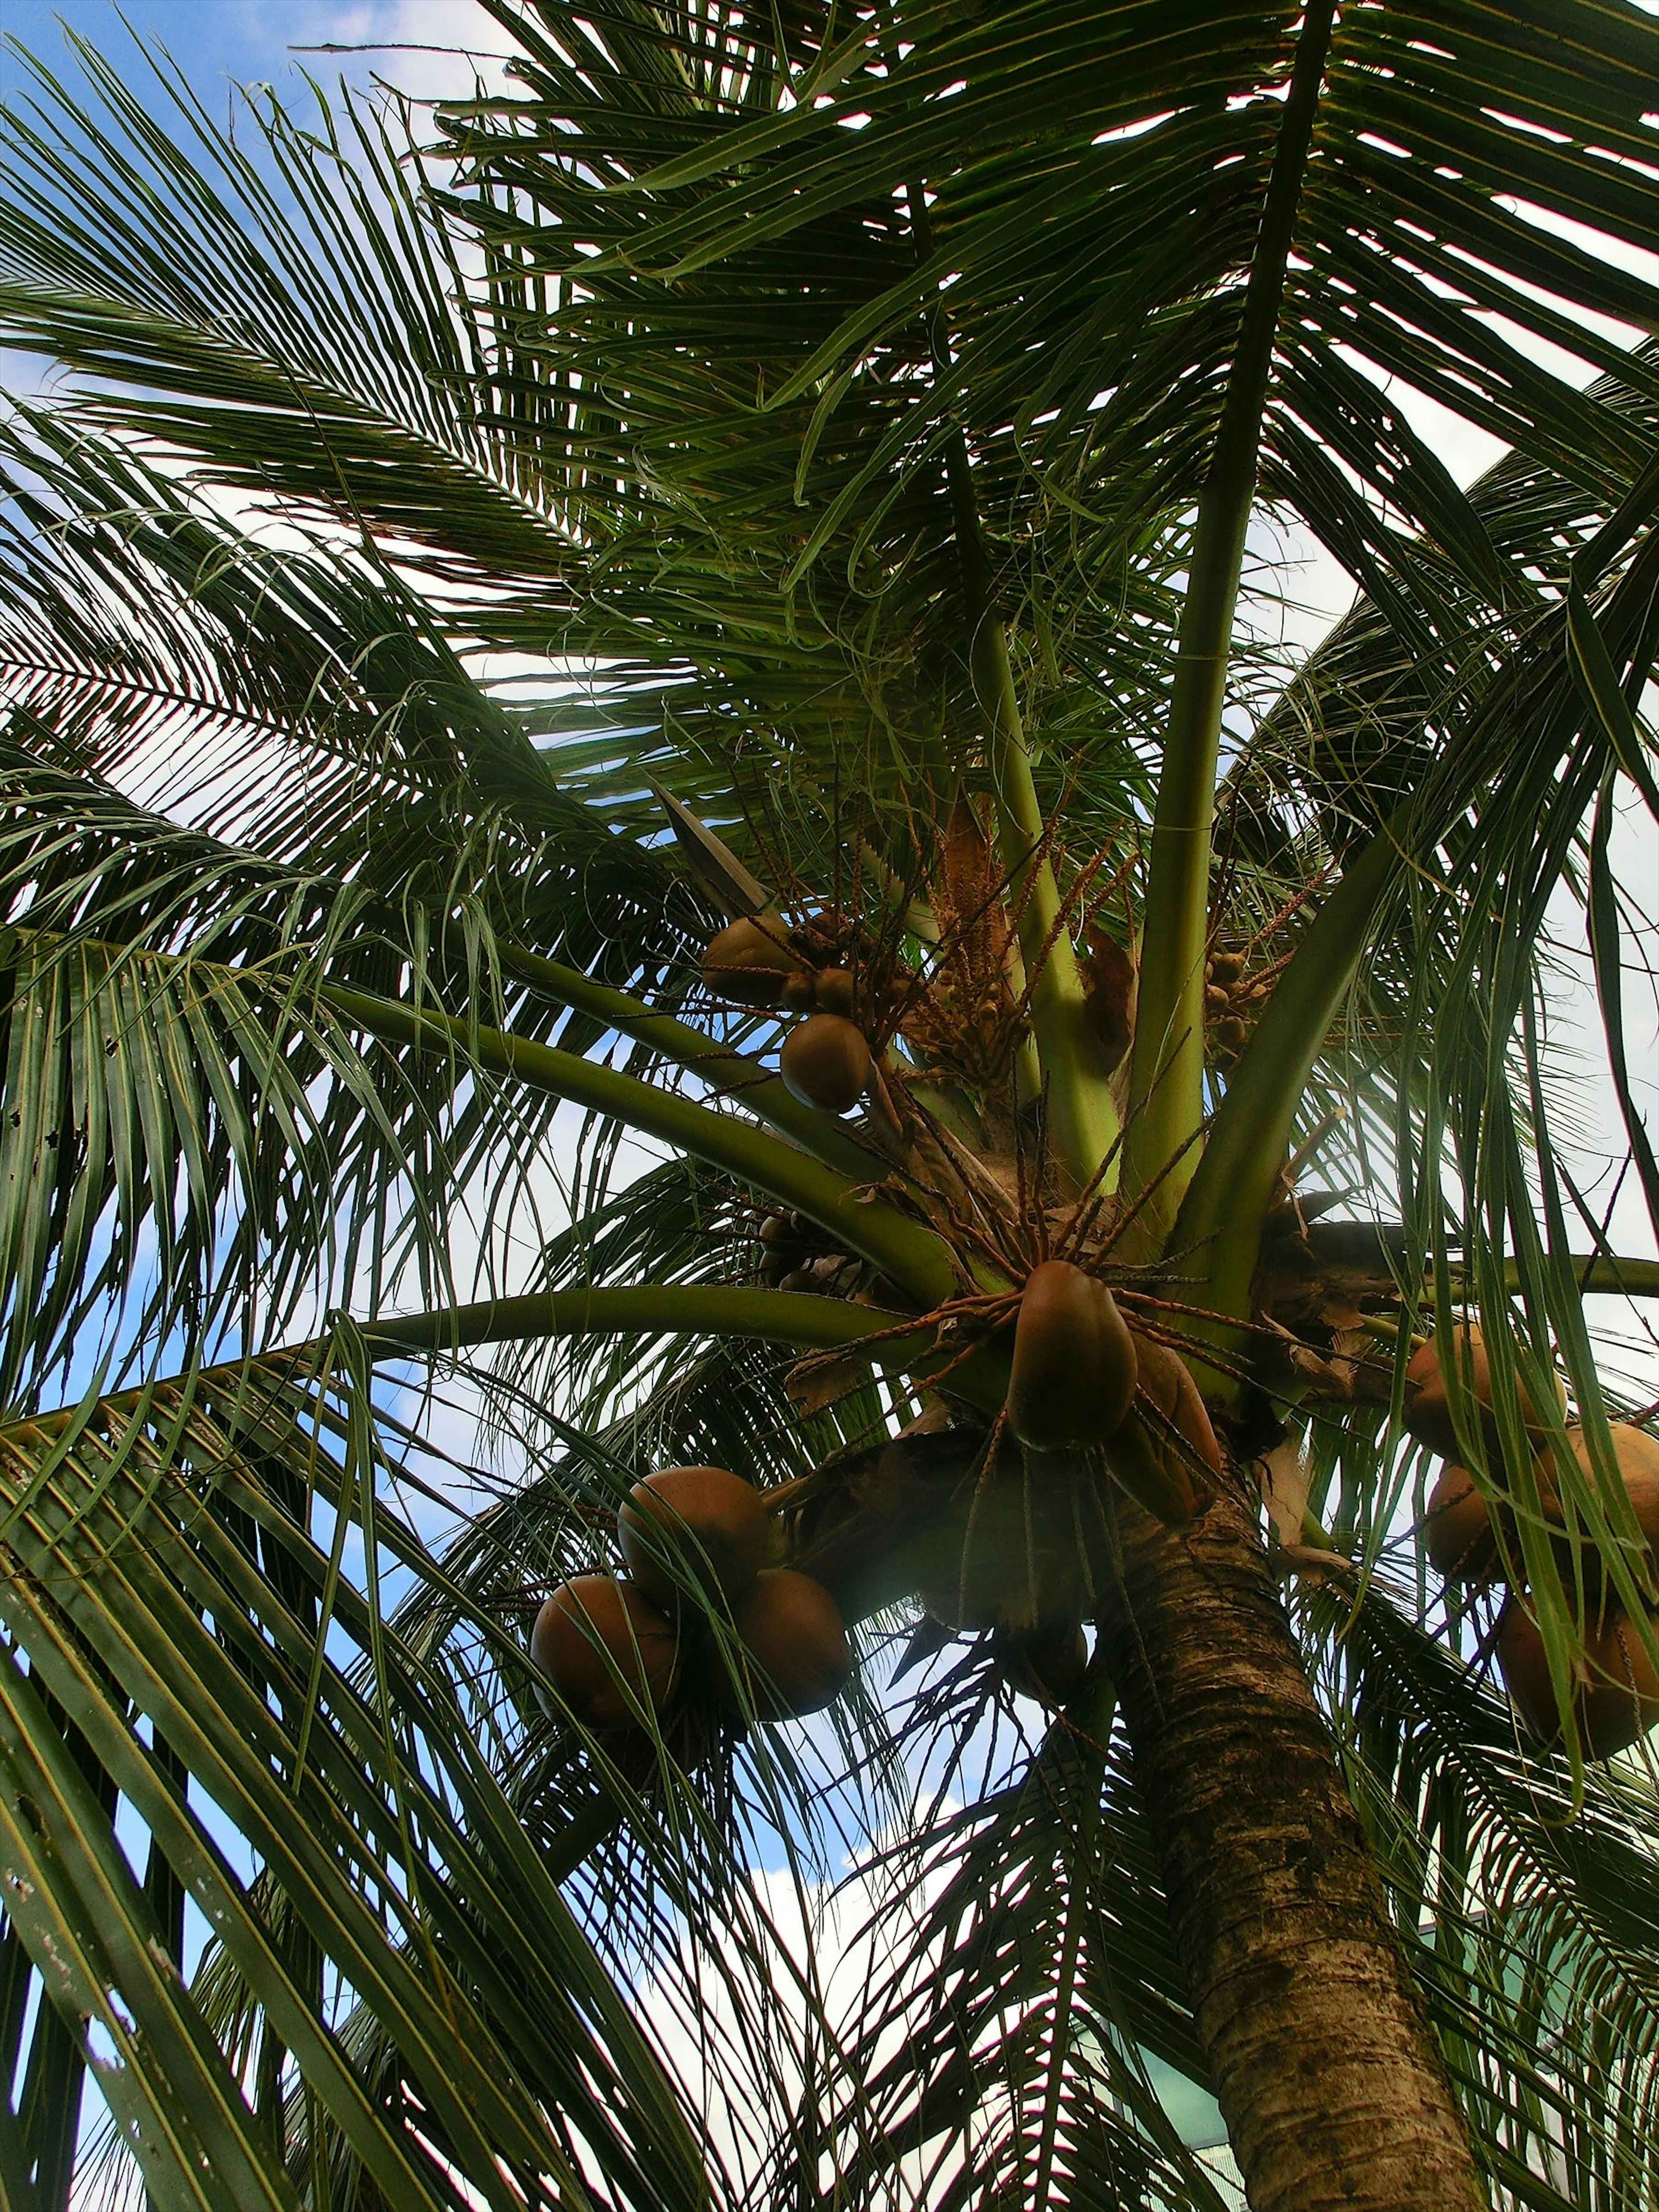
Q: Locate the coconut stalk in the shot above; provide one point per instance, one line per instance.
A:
(1081, 1114)
(1231, 1189)
(720, 1066)
(916, 1259)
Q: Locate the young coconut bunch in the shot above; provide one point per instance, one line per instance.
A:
(1471, 1534)
(695, 1542)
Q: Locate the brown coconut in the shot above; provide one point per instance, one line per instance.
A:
(1073, 1375)
(1045, 1663)
(794, 1652)
(1428, 1402)
(597, 1639)
(1158, 1451)
(686, 1527)
(833, 991)
(826, 1062)
(1457, 1531)
(751, 961)
(1616, 1700)
(1636, 1453)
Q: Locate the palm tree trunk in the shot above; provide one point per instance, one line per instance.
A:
(1328, 2075)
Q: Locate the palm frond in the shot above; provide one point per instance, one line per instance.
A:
(175, 1579)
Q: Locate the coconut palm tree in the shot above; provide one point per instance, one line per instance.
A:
(662, 808)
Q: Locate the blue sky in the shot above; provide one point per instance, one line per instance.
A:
(220, 42)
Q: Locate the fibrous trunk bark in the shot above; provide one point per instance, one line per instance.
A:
(1326, 2072)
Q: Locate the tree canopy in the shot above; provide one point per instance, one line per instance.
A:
(836, 467)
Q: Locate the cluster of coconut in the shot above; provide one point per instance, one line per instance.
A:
(1083, 1385)
(1231, 1001)
(760, 961)
(796, 1254)
(699, 1612)
(1616, 1698)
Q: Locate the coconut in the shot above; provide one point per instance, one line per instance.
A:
(1153, 1450)
(826, 1062)
(1428, 1403)
(1622, 1702)
(1045, 1663)
(1457, 1531)
(795, 1657)
(834, 990)
(689, 1526)
(1636, 1453)
(606, 1650)
(1073, 1375)
(751, 961)
(1616, 1698)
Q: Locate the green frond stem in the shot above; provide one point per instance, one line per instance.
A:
(908, 1342)
(1219, 1223)
(916, 1258)
(724, 1069)
(1608, 1274)
(655, 1309)
(1166, 1066)
(1082, 1114)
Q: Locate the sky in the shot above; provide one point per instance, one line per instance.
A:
(220, 43)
